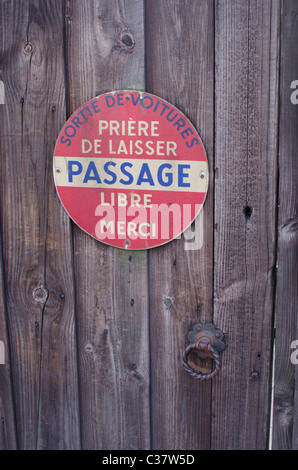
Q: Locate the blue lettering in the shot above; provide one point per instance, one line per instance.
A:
(186, 132)
(77, 122)
(110, 173)
(95, 107)
(156, 106)
(191, 144)
(74, 130)
(150, 102)
(126, 173)
(169, 114)
(110, 101)
(120, 99)
(180, 123)
(145, 172)
(165, 106)
(65, 141)
(182, 175)
(91, 168)
(89, 110)
(71, 171)
(168, 175)
(135, 100)
(81, 113)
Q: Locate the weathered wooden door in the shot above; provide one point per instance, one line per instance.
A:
(93, 336)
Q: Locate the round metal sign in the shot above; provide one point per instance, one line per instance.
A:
(130, 170)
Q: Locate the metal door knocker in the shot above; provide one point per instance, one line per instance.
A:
(208, 342)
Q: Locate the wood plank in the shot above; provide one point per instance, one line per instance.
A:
(37, 248)
(8, 434)
(246, 79)
(105, 51)
(180, 69)
(8, 440)
(285, 420)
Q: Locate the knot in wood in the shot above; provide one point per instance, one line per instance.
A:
(28, 48)
(127, 39)
(40, 294)
(89, 348)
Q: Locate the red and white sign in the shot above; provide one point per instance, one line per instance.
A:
(130, 170)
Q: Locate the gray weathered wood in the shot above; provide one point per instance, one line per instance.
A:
(8, 439)
(36, 233)
(180, 57)
(111, 284)
(94, 335)
(246, 79)
(285, 431)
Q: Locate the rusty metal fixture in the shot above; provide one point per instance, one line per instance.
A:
(208, 342)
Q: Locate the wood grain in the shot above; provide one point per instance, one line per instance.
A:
(37, 248)
(94, 335)
(105, 51)
(180, 69)
(8, 439)
(285, 431)
(246, 78)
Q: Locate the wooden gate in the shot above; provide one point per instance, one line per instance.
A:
(93, 336)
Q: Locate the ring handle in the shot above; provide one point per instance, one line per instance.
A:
(209, 341)
(199, 375)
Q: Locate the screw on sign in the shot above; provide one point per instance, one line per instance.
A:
(130, 170)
